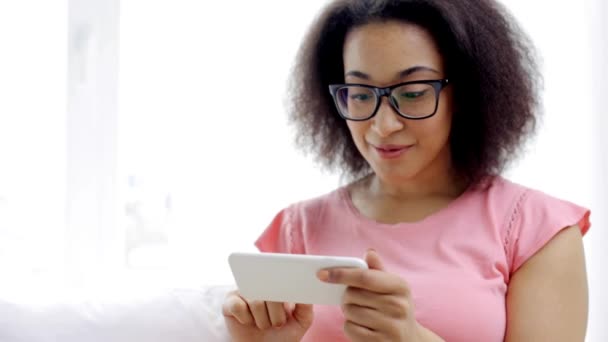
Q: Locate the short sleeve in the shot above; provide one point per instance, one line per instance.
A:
(537, 218)
(282, 235)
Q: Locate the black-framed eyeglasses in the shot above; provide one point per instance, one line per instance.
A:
(414, 100)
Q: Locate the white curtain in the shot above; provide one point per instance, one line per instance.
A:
(33, 66)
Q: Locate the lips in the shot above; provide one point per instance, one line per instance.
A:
(391, 151)
(392, 148)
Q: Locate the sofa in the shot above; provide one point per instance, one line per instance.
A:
(173, 315)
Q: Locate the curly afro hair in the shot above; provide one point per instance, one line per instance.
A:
(490, 60)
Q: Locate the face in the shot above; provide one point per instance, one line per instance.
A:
(398, 149)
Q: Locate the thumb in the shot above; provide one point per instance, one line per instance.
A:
(373, 260)
(303, 314)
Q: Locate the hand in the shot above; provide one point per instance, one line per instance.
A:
(265, 321)
(377, 305)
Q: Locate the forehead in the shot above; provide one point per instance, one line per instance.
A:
(381, 49)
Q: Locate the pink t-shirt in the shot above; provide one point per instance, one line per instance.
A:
(457, 261)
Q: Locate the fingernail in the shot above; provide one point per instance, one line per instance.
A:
(323, 275)
(371, 250)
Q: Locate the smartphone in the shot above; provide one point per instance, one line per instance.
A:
(289, 278)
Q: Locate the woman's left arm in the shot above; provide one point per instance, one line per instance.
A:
(547, 299)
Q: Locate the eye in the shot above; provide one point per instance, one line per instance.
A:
(360, 97)
(412, 95)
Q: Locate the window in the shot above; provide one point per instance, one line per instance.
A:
(32, 140)
(204, 156)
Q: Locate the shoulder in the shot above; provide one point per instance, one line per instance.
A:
(511, 195)
(291, 228)
(533, 218)
(316, 207)
(535, 205)
(503, 189)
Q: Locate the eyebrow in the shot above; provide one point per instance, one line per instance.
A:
(401, 74)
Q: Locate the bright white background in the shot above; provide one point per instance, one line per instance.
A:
(126, 157)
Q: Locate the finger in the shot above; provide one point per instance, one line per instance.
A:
(304, 315)
(260, 314)
(356, 333)
(361, 297)
(371, 280)
(276, 312)
(373, 260)
(235, 306)
(366, 317)
(289, 307)
(392, 305)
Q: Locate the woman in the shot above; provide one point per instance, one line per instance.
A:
(422, 103)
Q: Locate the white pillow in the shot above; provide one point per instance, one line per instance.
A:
(178, 315)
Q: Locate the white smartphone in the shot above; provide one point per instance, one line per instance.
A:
(289, 278)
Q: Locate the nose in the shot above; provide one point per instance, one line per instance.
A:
(386, 121)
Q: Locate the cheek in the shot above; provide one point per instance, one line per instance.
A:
(357, 131)
(434, 132)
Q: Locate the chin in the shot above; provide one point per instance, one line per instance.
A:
(394, 174)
